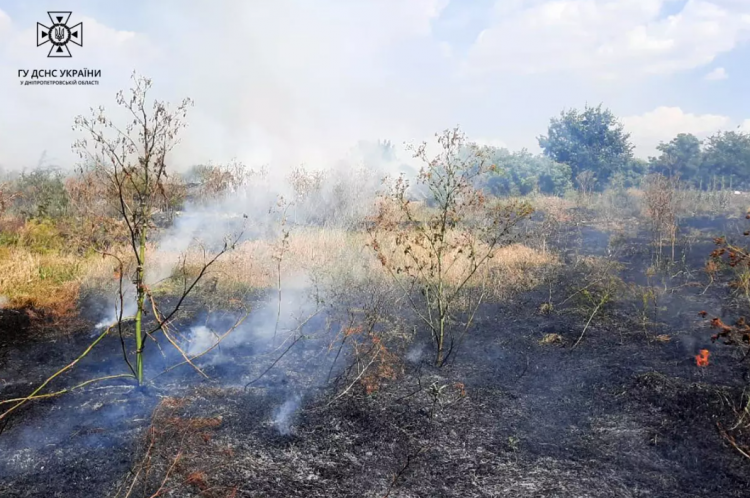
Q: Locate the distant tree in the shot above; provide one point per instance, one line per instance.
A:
(681, 156)
(520, 173)
(375, 153)
(387, 150)
(727, 154)
(592, 140)
(585, 181)
(7, 195)
(42, 194)
(210, 182)
(632, 174)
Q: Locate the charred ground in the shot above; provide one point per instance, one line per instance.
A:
(518, 411)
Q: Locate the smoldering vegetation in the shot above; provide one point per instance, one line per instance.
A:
(349, 341)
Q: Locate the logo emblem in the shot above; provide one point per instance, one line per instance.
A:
(59, 34)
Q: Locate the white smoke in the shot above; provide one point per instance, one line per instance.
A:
(129, 309)
(283, 415)
(201, 339)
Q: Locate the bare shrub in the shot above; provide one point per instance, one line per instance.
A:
(212, 182)
(8, 194)
(586, 182)
(662, 204)
(132, 164)
(434, 252)
(332, 198)
(94, 220)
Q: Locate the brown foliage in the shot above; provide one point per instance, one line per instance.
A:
(382, 364)
(736, 258)
(7, 196)
(736, 335)
(177, 452)
(216, 181)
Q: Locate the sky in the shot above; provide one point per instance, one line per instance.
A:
(300, 82)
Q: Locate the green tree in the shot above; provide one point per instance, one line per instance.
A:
(632, 174)
(42, 194)
(727, 154)
(681, 156)
(520, 173)
(592, 140)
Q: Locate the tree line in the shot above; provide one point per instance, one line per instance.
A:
(593, 145)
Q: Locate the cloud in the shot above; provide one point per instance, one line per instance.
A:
(4, 23)
(717, 74)
(490, 142)
(291, 82)
(40, 117)
(608, 38)
(664, 123)
(274, 82)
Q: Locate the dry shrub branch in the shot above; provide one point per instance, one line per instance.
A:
(432, 252)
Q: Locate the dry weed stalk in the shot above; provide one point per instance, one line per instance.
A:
(174, 456)
(586, 181)
(280, 249)
(662, 198)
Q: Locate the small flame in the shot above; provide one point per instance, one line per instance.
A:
(702, 359)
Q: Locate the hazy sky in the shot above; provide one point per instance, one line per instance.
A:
(289, 82)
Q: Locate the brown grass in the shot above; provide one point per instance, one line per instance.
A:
(338, 253)
(52, 281)
(46, 282)
(552, 206)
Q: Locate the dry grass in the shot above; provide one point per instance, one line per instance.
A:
(338, 253)
(517, 268)
(45, 282)
(52, 281)
(555, 207)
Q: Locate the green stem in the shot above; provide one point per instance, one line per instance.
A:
(56, 374)
(139, 313)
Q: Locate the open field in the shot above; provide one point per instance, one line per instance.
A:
(527, 406)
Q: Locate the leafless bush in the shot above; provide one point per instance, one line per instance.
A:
(335, 198)
(432, 253)
(7, 196)
(662, 198)
(212, 182)
(586, 181)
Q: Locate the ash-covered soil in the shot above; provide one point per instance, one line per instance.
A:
(623, 414)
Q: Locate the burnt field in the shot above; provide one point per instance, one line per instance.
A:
(545, 396)
(392, 249)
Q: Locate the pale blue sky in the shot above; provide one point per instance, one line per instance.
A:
(286, 82)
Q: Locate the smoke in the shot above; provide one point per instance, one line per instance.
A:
(201, 339)
(129, 309)
(345, 195)
(283, 415)
(415, 353)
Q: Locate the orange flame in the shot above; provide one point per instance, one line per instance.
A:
(702, 359)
